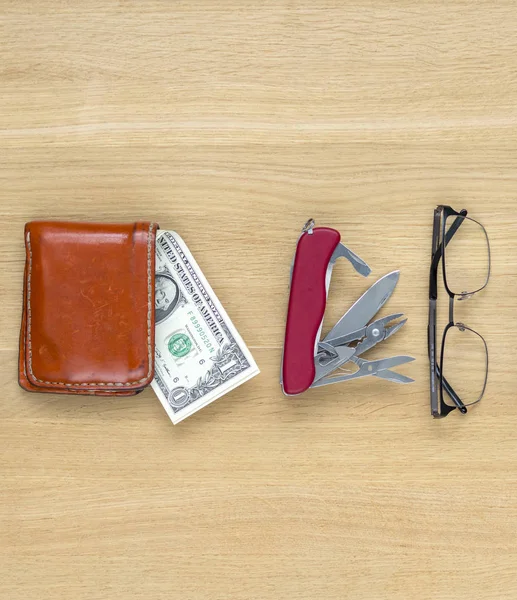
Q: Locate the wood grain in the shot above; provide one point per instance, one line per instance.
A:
(232, 123)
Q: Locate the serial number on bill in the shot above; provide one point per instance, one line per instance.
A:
(204, 338)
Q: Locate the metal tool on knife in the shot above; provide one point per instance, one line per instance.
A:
(307, 361)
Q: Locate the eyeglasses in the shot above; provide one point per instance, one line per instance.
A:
(459, 376)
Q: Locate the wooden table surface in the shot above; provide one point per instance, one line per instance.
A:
(233, 122)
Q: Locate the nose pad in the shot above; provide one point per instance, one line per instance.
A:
(464, 296)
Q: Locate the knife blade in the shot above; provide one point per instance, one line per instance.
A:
(362, 311)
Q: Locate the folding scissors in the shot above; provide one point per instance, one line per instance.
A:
(308, 362)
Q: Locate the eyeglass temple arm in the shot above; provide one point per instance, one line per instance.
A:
(452, 394)
(448, 237)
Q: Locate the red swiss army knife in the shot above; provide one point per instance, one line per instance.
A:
(308, 362)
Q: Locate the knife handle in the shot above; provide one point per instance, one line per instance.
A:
(307, 301)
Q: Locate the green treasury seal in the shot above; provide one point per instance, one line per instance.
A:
(179, 345)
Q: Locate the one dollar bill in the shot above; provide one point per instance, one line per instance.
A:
(199, 355)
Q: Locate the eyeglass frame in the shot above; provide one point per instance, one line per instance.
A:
(441, 214)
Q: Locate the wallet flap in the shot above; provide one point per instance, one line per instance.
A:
(89, 306)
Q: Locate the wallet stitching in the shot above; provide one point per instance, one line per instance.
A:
(149, 324)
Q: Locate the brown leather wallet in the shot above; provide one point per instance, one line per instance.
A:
(88, 308)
